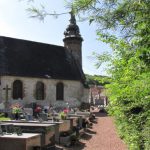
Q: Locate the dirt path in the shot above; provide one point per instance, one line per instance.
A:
(102, 136)
(105, 137)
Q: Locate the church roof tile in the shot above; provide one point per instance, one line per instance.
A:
(33, 59)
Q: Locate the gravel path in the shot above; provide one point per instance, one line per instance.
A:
(106, 137)
(102, 136)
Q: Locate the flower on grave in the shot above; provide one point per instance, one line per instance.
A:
(62, 115)
(16, 108)
(38, 109)
(66, 110)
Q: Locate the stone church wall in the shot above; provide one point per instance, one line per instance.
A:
(86, 96)
(73, 90)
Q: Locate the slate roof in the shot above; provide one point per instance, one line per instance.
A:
(33, 59)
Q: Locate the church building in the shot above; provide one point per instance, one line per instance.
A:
(43, 73)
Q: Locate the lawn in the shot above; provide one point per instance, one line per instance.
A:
(4, 119)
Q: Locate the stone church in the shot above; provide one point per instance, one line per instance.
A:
(43, 73)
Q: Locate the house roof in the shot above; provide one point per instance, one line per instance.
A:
(33, 59)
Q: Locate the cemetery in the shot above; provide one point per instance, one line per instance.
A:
(37, 128)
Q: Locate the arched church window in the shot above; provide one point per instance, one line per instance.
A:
(17, 89)
(60, 91)
(39, 91)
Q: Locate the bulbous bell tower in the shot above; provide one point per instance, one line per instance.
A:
(73, 40)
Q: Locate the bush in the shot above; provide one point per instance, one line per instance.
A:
(130, 107)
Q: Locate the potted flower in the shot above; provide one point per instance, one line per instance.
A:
(66, 111)
(62, 115)
(37, 111)
(16, 109)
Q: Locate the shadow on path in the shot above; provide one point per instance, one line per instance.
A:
(82, 144)
(86, 136)
(78, 146)
(90, 131)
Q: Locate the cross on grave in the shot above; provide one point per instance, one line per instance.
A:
(6, 95)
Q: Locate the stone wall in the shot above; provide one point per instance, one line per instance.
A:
(86, 95)
(73, 90)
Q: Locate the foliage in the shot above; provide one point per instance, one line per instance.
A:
(125, 25)
(1, 114)
(3, 118)
(40, 11)
(97, 79)
(62, 115)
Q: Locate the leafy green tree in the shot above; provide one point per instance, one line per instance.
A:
(125, 25)
(97, 80)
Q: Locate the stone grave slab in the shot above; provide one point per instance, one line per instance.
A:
(24, 142)
(47, 131)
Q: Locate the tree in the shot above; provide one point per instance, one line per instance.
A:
(125, 25)
(97, 80)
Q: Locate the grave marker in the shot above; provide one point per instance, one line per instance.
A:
(6, 95)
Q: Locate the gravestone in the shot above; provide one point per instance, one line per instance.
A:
(28, 111)
(25, 142)
(6, 96)
(47, 131)
(43, 116)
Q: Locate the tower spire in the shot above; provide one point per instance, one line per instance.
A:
(73, 19)
(73, 39)
(72, 30)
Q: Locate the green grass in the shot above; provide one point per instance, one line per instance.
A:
(4, 119)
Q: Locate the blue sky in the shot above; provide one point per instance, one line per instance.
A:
(15, 22)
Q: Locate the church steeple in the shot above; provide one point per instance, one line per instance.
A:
(72, 30)
(73, 19)
(73, 40)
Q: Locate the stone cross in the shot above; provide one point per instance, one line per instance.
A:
(6, 95)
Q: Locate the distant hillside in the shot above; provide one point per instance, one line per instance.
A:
(97, 79)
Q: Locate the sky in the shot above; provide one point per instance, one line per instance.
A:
(15, 21)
